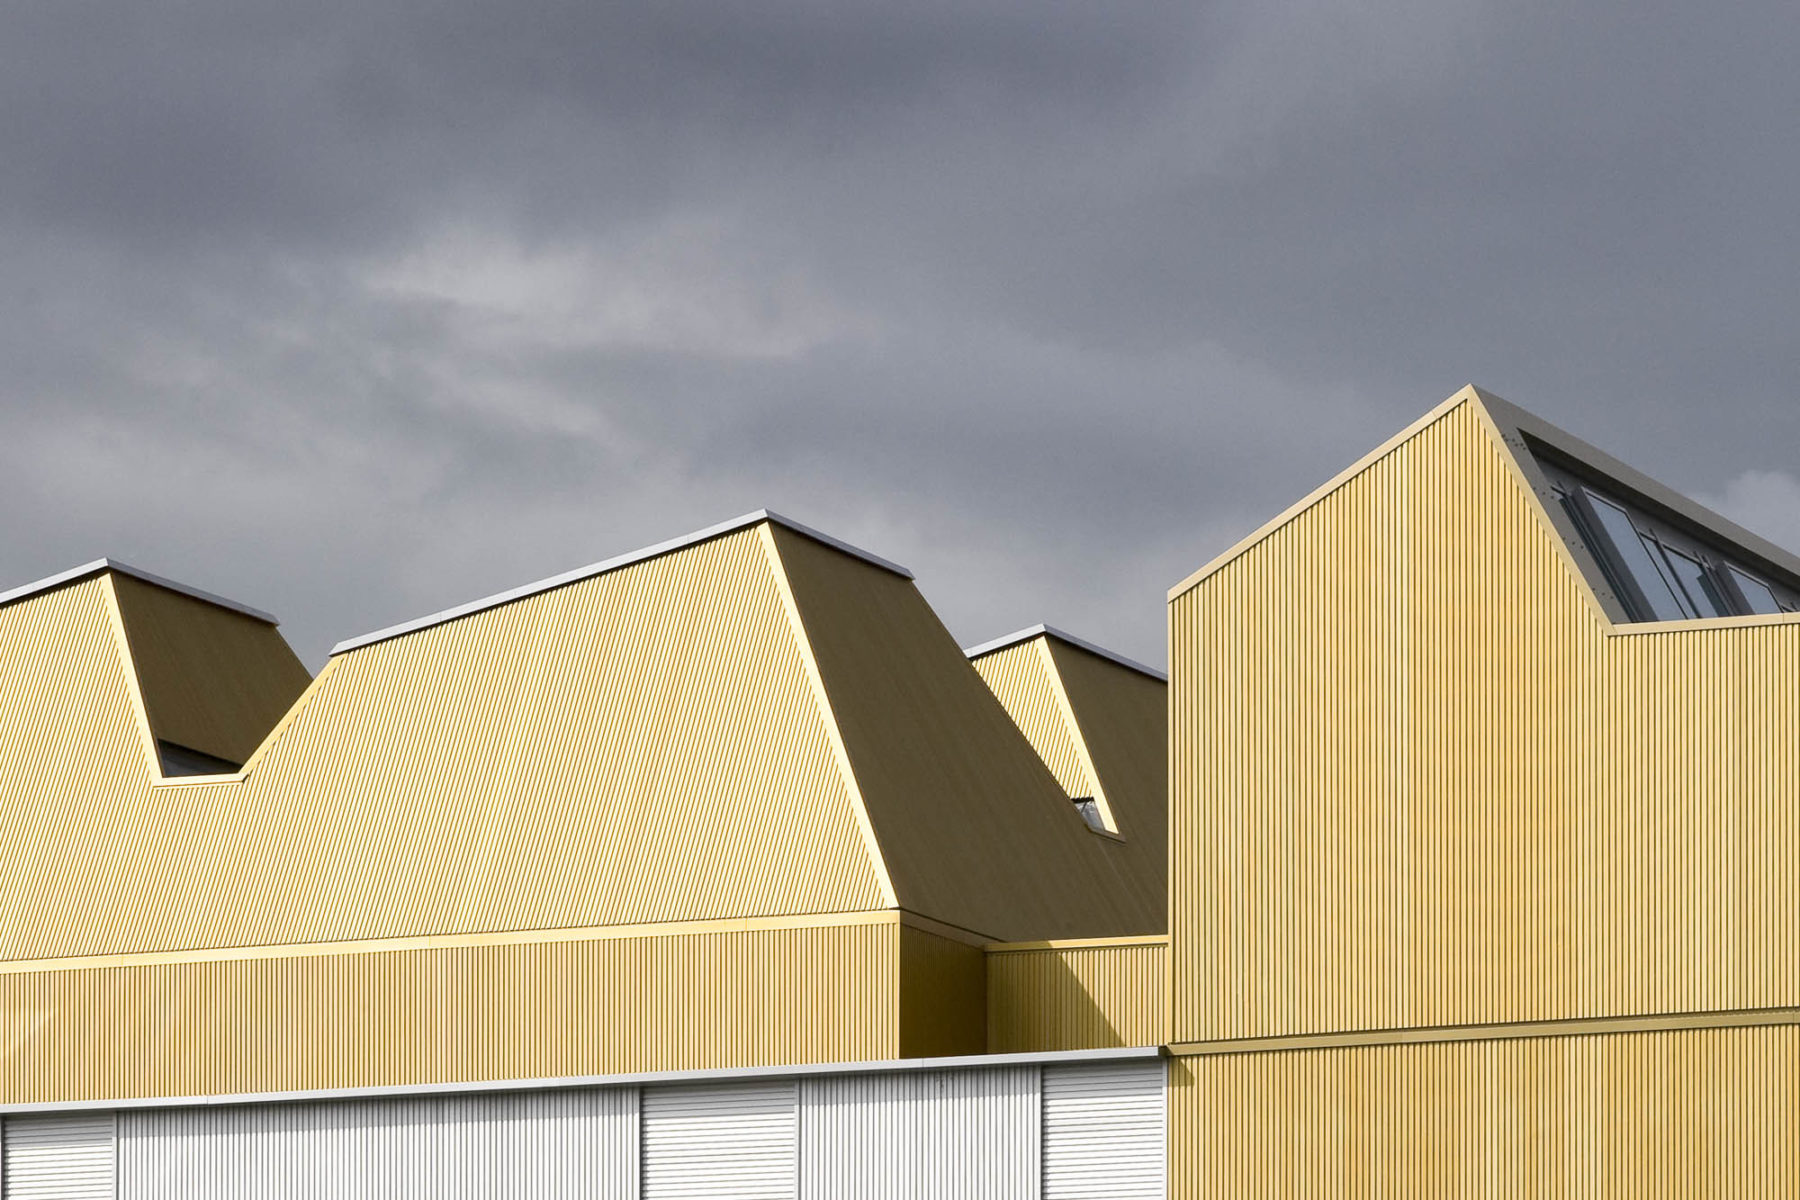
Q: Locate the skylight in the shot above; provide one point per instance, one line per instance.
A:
(1089, 808)
(1661, 569)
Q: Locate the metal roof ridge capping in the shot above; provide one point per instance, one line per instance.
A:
(1026, 634)
(49, 582)
(627, 559)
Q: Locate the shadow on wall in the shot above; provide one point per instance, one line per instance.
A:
(1075, 996)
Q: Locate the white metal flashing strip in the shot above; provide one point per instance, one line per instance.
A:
(613, 564)
(965, 1062)
(112, 564)
(1025, 635)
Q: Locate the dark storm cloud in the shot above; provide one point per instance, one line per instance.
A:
(360, 310)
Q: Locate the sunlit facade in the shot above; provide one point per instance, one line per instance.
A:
(1450, 858)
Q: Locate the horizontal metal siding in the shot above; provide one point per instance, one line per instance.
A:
(1076, 998)
(519, 1011)
(960, 1135)
(1104, 1131)
(58, 1157)
(720, 1140)
(1419, 780)
(1653, 1116)
(575, 1145)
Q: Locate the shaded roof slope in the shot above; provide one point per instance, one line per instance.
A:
(1100, 724)
(974, 829)
(212, 679)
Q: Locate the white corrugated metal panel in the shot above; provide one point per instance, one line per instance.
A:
(65, 1157)
(1104, 1131)
(574, 1145)
(735, 1140)
(951, 1134)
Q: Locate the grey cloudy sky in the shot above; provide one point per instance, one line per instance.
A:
(355, 311)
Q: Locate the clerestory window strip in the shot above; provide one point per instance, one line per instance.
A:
(1657, 572)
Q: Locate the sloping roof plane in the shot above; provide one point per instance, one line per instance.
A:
(1099, 722)
(757, 722)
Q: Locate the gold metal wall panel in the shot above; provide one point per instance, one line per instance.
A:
(1710, 1112)
(974, 830)
(1419, 778)
(1076, 997)
(1023, 679)
(444, 1014)
(77, 813)
(943, 995)
(640, 746)
(211, 679)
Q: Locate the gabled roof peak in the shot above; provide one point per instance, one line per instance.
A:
(101, 565)
(748, 520)
(1025, 635)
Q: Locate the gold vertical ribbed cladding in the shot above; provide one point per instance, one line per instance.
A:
(548, 1009)
(943, 995)
(1419, 779)
(1022, 678)
(1698, 1112)
(1075, 998)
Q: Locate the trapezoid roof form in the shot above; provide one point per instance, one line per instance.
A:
(755, 723)
(614, 564)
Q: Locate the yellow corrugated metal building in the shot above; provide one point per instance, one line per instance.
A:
(1484, 805)
(1452, 857)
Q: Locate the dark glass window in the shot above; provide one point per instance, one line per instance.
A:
(1696, 582)
(1636, 555)
(1089, 809)
(1756, 593)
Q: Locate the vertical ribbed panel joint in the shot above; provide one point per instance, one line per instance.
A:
(1656, 1116)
